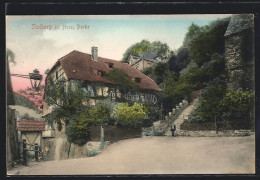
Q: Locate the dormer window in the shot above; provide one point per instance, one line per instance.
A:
(110, 65)
(138, 80)
(101, 73)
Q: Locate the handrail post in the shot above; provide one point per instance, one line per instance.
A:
(36, 149)
(24, 152)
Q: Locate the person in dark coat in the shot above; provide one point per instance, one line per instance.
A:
(173, 129)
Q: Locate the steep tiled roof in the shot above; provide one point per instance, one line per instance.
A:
(78, 65)
(239, 22)
(31, 125)
(149, 56)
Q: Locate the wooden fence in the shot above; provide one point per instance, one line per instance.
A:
(114, 133)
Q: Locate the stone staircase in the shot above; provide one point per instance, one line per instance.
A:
(160, 127)
(181, 118)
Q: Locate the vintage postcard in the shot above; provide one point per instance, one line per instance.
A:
(130, 94)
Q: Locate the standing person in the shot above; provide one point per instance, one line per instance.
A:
(173, 129)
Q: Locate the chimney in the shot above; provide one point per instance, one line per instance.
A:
(94, 53)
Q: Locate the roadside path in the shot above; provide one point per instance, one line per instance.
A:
(158, 155)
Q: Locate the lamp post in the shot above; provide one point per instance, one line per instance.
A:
(35, 78)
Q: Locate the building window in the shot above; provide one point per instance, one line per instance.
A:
(151, 98)
(142, 98)
(91, 91)
(137, 97)
(130, 97)
(118, 94)
(57, 75)
(112, 94)
(154, 100)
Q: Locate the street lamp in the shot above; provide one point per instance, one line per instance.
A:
(35, 78)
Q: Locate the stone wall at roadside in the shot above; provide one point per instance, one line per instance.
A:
(67, 150)
(227, 133)
(48, 149)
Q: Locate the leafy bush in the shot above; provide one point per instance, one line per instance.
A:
(194, 116)
(130, 115)
(111, 106)
(236, 105)
(218, 102)
(186, 70)
(153, 114)
(78, 127)
(99, 114)
(211, 98)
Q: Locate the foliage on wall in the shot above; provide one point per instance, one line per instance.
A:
(118, 76)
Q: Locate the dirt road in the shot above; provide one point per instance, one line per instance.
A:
(158, 155)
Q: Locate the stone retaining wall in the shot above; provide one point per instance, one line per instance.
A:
(231, 133)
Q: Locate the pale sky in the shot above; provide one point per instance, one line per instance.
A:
(113, 34)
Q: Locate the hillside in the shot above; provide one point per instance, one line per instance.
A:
(22, 111)
(22, 101)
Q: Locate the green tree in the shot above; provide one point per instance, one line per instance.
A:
(67, 99)
(135, 49)
(211, 97)
(130, 115)
(214, 68)
(209, 42)
(193, 31)
(156, 47)
(77, 129)
(177, 89)
(10, 56)
(237, 107)
(160, 48)
(160, 72)
(180, 60)
(99, 114)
